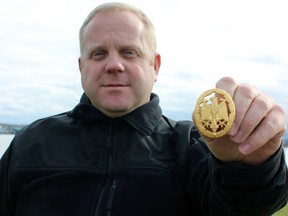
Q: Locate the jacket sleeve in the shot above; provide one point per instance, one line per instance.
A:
(217, 188)
(6, 196)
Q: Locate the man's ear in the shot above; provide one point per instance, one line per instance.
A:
(157, 64)
(79, 64)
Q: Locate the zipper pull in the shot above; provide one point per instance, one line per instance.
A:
(111, 197)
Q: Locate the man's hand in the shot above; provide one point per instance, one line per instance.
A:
(258, 128)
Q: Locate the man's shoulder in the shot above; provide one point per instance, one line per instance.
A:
(33, 143)
(44, 123)
(41, 128)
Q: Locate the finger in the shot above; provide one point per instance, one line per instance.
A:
(228, 84)
(272, 129)
(258, 110)
(243, 97)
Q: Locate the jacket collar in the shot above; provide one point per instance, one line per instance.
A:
(145, 118)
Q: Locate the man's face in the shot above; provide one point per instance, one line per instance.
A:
(117, 70)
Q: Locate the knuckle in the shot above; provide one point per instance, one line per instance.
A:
(264, 102)
(248, 91)
(226, 81)
(228, 84)
(280, 109)
(271, 127)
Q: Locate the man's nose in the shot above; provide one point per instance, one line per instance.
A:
(114, 63)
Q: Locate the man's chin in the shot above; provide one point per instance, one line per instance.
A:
(114, 111)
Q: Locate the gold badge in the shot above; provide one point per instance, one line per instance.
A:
(214, 113)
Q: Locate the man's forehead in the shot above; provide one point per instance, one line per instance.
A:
(124, 20)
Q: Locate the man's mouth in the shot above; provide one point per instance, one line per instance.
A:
(115, 85)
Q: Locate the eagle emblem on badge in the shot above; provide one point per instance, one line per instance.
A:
(214, 113)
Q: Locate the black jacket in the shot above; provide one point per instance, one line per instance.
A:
(84, 163)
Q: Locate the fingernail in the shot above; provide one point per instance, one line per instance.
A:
(237, 138)
(245, 148)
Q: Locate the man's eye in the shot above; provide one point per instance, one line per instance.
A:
(98, 54)
(130, 53)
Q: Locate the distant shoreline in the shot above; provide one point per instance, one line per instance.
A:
(10, 128)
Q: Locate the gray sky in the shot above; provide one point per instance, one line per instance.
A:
(200, 42)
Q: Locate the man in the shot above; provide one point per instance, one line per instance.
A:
(115, 154)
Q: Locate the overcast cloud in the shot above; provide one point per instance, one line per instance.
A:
(200, 42)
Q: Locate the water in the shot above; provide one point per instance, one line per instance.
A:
(5, 140)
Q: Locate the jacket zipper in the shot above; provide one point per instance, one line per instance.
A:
(108, 145)
(111, 197)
